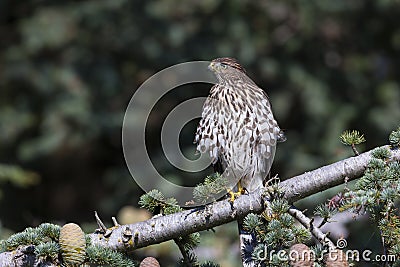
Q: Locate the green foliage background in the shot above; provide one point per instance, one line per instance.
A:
(69, 68)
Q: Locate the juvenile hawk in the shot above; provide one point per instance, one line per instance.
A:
(239, 131)
(238, 128)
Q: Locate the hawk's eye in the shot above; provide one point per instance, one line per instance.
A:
(224, 66)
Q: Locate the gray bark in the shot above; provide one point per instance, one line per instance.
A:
(159, 229)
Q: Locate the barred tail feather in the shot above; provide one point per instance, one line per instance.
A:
(248, 242)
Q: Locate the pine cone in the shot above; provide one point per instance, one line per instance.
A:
(149, 262)
(73, 244)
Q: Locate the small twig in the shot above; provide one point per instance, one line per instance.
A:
(185, 255)
(322, 223)
(315, 231)
(346, 183)
(101, 225)
(115, 221)
(102, 228)
(353, 146)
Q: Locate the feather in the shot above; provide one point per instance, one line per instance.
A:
(239, 132)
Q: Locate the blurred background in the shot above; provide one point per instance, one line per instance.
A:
(69, 68)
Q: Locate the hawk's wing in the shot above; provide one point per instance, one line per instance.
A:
(258, 128)
(238, 129)
(209, 135)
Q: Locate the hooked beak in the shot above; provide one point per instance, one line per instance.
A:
(212, 66)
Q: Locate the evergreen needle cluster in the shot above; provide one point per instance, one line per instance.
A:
(275, 230)
(210, 189)
(377, 192)
(44, 241)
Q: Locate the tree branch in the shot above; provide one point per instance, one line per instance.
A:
(308, 224)
(156, 230)
(160, 229)
(22, 256)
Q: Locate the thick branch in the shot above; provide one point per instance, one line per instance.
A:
(160, 229)
(168, 227)
(22, 256)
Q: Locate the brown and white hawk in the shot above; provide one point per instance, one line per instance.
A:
(239, 131)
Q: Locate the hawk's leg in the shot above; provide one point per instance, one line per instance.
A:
(234, 195)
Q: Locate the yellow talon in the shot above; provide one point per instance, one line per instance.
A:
(240, 188)
(234, 195)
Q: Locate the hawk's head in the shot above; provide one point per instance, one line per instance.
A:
(225, 65)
